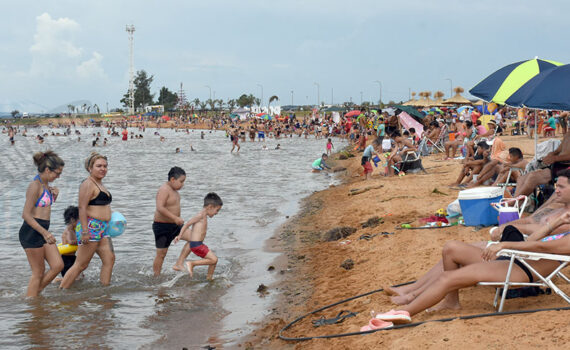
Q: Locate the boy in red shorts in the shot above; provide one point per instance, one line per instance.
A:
(196, 234)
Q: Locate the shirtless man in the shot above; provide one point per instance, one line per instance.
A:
(557, 160)
(167, 220)
(501, 169)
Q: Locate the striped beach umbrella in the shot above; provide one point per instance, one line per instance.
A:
(500, 86)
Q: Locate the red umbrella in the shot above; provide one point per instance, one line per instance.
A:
(165, 117)
(352, 113)
(260, 114)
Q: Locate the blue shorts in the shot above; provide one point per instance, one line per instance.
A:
(261, 135)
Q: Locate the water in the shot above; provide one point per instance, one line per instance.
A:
(259, 189)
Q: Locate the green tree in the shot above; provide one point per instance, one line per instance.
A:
(143, 97)
(203, 106)
(14, 113)
(272, 98)
(96, 108)
(167, 98)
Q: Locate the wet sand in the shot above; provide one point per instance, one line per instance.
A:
(314, 278)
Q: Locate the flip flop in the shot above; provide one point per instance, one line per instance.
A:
(337, 319)
(376, 324)
(395, 316)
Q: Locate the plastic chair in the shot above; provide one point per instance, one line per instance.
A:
(543, 281)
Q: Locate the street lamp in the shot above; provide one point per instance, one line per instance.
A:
(318, 94)
(208, 86)
(450, 87)
(380, 92)
(214, 94)
(291, 98)
(261, 86)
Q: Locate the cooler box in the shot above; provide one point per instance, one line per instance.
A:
(476, 205)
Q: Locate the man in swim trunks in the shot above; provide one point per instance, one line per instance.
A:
(555, 161)
(167, 220)
(195, 236)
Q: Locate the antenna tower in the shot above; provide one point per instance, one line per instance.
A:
(182, 101)
(131, 30)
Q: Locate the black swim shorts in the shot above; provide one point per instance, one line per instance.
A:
(30, 238)
(512, 234)
(164, 233)
(68, 261)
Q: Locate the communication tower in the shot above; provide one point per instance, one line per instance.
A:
(182, 101)
(131, 30)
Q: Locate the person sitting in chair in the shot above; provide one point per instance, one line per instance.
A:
(401, 147)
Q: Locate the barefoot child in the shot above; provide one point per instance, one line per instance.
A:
(195, 236)
(167, 220)
(329, 147)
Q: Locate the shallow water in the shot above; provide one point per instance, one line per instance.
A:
(259, 189)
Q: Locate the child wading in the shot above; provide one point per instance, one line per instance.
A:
(196, 234)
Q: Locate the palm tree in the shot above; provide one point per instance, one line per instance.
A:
(272, 98)
(71, 108)
(231, 104)
(203, 106)
(95, 107)
(220, 103)
(212, 104)
(88, 109)
(84, 107)
(196, 102)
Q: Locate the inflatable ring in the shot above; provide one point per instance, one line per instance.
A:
(65, 249)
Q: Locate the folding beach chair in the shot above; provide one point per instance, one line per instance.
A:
(411, 163)
(543, 281)
(440, 143)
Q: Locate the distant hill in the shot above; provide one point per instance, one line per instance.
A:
(22, 106)
(64, 109)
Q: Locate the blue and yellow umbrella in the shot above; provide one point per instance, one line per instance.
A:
(501, 86)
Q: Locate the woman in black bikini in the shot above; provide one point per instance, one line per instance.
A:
(94, 215)
(35, 238)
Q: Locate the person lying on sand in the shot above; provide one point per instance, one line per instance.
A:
(470, 269)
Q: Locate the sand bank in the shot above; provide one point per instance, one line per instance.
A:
(313, 276)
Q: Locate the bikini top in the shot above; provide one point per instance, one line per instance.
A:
(102, 197)
(46, 198)
(555, 237)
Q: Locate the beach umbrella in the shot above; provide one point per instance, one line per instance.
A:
(165, 117)
(265, 116)
(549, 90)
(457, 99)
(410, 110)
(462, 108)
(501, 85)
(352, 113)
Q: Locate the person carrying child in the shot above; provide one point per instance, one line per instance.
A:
(194, 232)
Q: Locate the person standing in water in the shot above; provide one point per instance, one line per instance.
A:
(37, 241)
(167, 221)
(94, 215)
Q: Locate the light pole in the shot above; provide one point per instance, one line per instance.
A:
(208, 86)
(214, 94)
(450, 87)
(291, 98)
(380, 92)
(261, 86)
(318, 94)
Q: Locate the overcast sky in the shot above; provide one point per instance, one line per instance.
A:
(54, 52)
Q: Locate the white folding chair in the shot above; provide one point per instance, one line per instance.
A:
(543, 281)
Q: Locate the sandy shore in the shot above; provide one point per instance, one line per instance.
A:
(313, 277)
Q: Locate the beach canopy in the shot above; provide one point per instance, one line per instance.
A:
(352, 113)
(500, 86)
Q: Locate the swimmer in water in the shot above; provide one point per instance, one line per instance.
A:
(194, 232)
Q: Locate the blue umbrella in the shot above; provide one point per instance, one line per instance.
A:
(550, 90)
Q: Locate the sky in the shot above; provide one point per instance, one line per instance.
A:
(56, 52)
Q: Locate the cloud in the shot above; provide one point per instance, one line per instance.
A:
(55, 55)
(91, 68)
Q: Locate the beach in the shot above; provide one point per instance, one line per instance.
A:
(316, 278)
